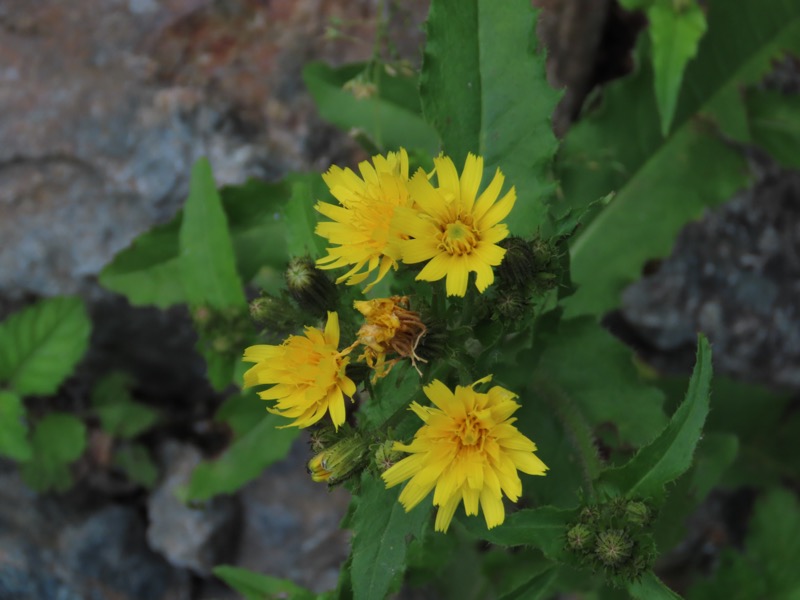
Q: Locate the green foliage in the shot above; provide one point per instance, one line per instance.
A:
(119, 414)
(651, 587)
(535, 588)
(208, 266)
(484, 89)
(40, 345)
(676, 31)
(766, 568)
(774, 124)
(368, 99)
(301, 218)
(254, 586)
(671, 453)
(661, 183)
(57, 440)
(243, 460)
(382, 530)
(13, 428)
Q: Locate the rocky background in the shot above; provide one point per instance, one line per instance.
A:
(105, 105)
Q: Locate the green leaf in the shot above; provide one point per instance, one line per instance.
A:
(595, 371)
(650, 587)
(774, 120)
(57, 440)
(243, 461)
(393, 394)
(533, 589)
(382, 530)
(391, 118)
(137, 463)
(676, 34)
(242, 412)
(543, 528)
(149, 270)
(40, 345)
(661, 183)
(255, 219)
(255, 586)
(208, 265)
(13, 427)
(301, 218)
(119, 414)
(671, 453)
(484, 89)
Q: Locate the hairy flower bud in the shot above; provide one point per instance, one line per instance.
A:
(385, 457)
(310, 287)
(580, 538)
(339, 461)
(613, 547)
(637, 513)
(519, 263)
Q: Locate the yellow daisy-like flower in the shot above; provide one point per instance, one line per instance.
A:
(468, 449)
(453, 228)
(361, 228)
(307, 374)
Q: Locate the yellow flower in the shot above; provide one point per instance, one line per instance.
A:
(453, 228)
(468, 449)
(307, 374)
(361, 228)
(389, 327)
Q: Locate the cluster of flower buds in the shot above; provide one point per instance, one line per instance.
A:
(614, 537)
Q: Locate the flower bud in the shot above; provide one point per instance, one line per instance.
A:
(511, 304)
(637, 513)
(613, 547)
(385, 457)
(580, 537)
(339, 461)
(310, 287)
(519, 263)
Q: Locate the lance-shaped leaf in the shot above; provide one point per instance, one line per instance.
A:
(676, 33)
(484, 89)
(40, 345)
(382, 530)
(208, 265)
(671, 453)
(661, 183)
(255, 586)
(389, 113)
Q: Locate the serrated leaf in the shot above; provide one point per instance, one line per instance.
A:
(671, 453)
(676, 34)
(596, 372)
(393, 393)
(301, 218)
(40, 345)
(661, 183)
(119, 414)
(543, 528)
(382, 530)
(57, 440)
(650, 587)
(391, 117)
(255, 586)
(208, 265)
(774, 120)
(243, 461)
(484, 89)
(13, 428)
(137, 463)
(533, 589)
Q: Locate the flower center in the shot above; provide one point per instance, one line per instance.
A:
(471, 432)
(458, 238)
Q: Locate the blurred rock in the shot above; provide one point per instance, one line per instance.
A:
(735, 275)
(56, 548)
(292, 527)
(105, 105)
(192, 537)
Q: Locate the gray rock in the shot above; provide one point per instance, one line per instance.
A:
(192, 537)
